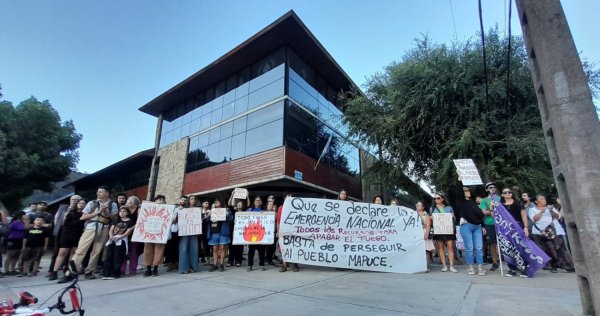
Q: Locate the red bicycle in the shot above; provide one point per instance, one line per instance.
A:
(26, 299)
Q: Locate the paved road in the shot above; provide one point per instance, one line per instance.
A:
(319, 291)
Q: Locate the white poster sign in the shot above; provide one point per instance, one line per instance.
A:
(189, 221)
(254, 228)
(218, 214)
(240, 193)
(153, 223)
(460, 243)
(467, 172)
(443, 223)
(352, 235)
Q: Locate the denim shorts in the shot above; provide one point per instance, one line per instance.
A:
(218, 239)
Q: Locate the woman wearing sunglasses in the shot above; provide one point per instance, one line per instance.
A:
(444, 240)
(517, 211)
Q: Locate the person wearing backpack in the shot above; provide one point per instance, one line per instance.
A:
(98, 215)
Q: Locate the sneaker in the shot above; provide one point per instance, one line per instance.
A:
(21, 275)
(494, 267)
(90, 276)
(297, 268)
(444, 269)
(511, 273)
(249, 269)
(524, 275)
(212, 268)
(147, 273)
(154, 273)
(65, 279)
(453, 270)
(262, 268)
(481, 272)
(553, 270)
(470, 271)
(53, 276)
(221, 268)
(31, 274)
(108, 278)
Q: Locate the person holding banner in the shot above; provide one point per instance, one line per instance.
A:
(519, 214)
(219, 235)
(188, 245)
(378, 199)
(471, 231)
(441, 239)
(343, 195)
(284, 265)
(259, 248)
(426, 224)
(547, 234)
(236, 251)
(153, 252)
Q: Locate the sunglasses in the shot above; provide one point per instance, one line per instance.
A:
(506, 192)
(439, 198)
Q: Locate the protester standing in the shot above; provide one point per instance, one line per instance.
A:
(153, 252)
(487, 206)
(517, 211)
(218, 237)
(425, 220)
(188, 245)
(18, 228)
(236, 251)
(117, 245)
(59, 218)
(258, 248)
(444, 240)
(70, 233)
(471, 231)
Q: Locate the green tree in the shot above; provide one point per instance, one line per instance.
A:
(430, 108)
(36, 149)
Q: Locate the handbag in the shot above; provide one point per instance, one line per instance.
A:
(549, 232)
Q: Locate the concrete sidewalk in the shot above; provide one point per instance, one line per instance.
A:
(317, 291)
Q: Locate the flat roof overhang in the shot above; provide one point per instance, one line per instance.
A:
(287, 30)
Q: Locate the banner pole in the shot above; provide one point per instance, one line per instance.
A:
(497, 244)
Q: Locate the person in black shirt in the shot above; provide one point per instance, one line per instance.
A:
(34, 246)
(117, 246)
(517, 211)
(471, 232)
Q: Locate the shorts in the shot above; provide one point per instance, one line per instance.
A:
(218, 239)
(14, 244)
(490, 234)
(35, 253)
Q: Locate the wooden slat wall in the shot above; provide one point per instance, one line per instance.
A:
(248, 169)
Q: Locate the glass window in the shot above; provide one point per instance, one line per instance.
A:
(176, 134)
(226, 130)
(232, 84)
(167, 126)
(213, 153)
(196, 113)
(195, 126)
(242, 90)
(266, 64)
(301, 67)
(203, 139)
(220, 89)
(267, 93)
(265, 137)
(206, 109)
(214, 136)
(228, 110)
(324, 113)
(238, 146)
(185, 130)
(217, 103)
(301, 96)
(193, 144)
(216, 116)
(225, 150)
(244, 76)
(205, 122)
(165, 139)
(268, 77)
(177, 122)
(229, 97)
(265, 115)
(239, 125)
(186, 118)
(241, 105)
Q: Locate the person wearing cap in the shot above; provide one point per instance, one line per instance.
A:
(489, 230)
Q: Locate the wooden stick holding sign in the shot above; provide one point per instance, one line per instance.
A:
(443, 224)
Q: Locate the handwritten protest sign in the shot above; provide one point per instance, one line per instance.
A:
(189, 221)
(352, 235)
(240, 193)
(443, 223)
(467, 172)
(254, 228)
(218, 214)
(153, 223)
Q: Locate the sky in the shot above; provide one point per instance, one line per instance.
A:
(98, 62)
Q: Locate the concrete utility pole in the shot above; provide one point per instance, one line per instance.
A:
(572, 133)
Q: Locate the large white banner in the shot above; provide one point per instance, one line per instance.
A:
(153, 223)
(254, 228)
(352, 235)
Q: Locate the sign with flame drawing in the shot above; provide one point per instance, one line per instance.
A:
(253, 228)
(153, 223)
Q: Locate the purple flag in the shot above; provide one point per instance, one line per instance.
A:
(517, 249)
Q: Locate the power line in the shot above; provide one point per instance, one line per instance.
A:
(487, 96)
(453, 22)
(508, 54)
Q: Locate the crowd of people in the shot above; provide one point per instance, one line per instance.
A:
(96, 235)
